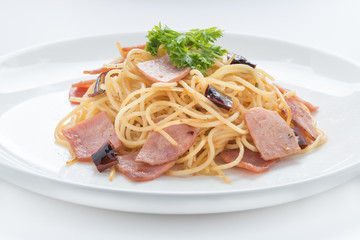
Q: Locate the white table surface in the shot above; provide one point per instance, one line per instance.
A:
(329, 25)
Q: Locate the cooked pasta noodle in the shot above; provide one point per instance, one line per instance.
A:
(133, 103)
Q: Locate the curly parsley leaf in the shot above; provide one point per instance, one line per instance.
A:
(193, 49)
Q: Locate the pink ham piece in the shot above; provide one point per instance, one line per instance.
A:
(272, 136)
(311, 107)
(157, 150)
(88, 136)
(301, 118)
(140, 172)
(128, 49)
(251, 160)
(162, 70)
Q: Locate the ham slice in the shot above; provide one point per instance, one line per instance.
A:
(128, 49)
(251, 160)
(272, 136)
(301, 118)
(162, 70)
(311, 107)
(88, 136)
(140, 172)
(79, 89)
(157, 150)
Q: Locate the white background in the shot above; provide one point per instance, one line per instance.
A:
(329, 25)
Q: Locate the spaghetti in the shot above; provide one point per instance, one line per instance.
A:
(133, 103)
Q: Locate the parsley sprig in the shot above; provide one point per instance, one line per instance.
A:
(193, 49)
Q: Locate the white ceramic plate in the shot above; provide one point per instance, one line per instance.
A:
(33, 94)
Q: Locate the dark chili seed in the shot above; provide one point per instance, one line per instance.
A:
(105, 157)
(100, 80)
(238, 59)
(300, 137)
(219, 98)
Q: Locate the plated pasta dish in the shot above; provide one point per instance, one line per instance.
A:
(182, 106)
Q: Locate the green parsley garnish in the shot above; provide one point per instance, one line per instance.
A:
(193, 49)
